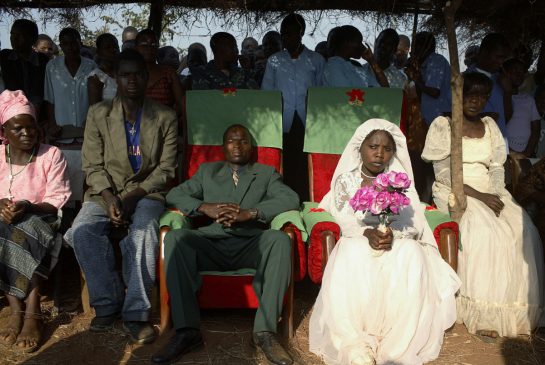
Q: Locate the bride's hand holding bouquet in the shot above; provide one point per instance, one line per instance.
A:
(385, 197)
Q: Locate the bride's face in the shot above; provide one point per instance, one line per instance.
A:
(376, 152)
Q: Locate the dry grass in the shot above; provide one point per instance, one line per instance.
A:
(227, 335)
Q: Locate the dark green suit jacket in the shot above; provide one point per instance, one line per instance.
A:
(259, 186)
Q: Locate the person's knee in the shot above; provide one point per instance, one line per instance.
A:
(177, 238)
(279, 240)
(80, 235)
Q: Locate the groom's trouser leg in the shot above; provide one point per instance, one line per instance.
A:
(186, 253)
(270, 254)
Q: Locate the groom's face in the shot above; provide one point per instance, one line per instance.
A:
(376, 152)
(237, 146)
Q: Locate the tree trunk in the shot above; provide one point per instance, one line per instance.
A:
(457, 199)
(157, 10)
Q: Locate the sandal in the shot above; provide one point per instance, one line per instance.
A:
(12, 329)
(33, 337)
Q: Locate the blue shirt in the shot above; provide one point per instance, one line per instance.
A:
(67, 93)
(436, 74)
(132, 132)
(293, 77)
(495, 101)
(396, 77)
(339, 72)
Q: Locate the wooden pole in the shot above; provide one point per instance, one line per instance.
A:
(415, 22)
(155, 22)
(457, 199)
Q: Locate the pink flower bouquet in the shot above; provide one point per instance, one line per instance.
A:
(385, 197)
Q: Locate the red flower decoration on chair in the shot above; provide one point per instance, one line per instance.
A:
(356, 97)
(229, 91)
(317, 210)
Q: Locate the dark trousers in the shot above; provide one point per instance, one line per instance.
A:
(295, 162)
(187, 252)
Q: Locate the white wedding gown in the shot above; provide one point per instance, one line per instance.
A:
(501, 262)
(398, 304)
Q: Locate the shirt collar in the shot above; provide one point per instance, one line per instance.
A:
(304, 52)
(489, 74)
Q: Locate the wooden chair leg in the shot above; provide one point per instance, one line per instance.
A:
(86, 306)
(448, 247)
(164, 301)
(287, 310)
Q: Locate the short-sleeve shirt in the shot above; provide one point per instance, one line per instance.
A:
(25, 75)
(109, 90)
(68, 94)
(339, 72)
(436, 74)
(44, 180)
(495, 101)
(519, 127)
(293, 77)
(396, 77)
(209, 77)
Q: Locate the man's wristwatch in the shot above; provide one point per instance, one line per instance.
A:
(253, 213)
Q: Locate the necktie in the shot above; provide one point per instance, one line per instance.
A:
(235, 177)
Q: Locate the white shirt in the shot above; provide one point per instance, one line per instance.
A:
(519, 126)
(109, 90)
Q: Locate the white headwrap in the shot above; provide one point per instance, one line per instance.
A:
(351, 161)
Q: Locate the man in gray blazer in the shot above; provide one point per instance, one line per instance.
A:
(240, 198)
(128, 156)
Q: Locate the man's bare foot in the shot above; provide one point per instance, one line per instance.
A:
(31, 334)
(9, 333)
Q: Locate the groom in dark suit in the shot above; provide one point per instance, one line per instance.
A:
(241, 198)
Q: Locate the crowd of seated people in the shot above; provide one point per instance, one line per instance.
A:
(89, 98)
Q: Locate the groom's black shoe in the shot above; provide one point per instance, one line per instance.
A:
(274, 352)
(183, 341)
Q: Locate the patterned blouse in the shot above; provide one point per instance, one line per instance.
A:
(44, 180)
(161, 90)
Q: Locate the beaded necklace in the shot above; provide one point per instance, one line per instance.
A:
(363, 174)
(11, 175)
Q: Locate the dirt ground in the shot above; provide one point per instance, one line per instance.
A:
(68, 341)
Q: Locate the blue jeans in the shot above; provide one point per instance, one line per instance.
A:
(89, 238)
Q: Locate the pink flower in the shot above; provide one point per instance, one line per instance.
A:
(399, 180)
(363, 199)
(381, 182)
(398, 201)
(381, 203)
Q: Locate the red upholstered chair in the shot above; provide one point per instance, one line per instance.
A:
(333, 114)
(209, 113)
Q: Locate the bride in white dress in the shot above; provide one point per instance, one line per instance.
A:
(391, 308)
(501, 262)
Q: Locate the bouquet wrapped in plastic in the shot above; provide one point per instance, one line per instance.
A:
(385, 197)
